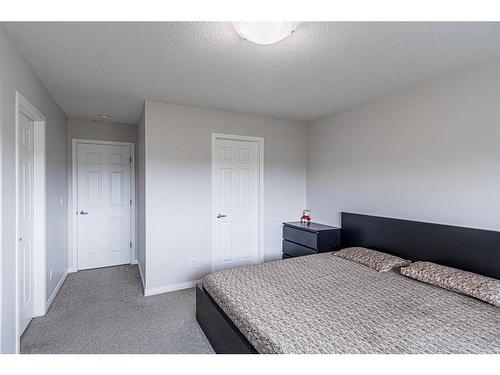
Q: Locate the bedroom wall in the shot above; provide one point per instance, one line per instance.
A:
(17, 76)
(1, 207)
(178, 185)
(141, 196)
(101, 130)
(429, 153)
(94, 130)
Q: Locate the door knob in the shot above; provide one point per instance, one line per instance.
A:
(219, 216)
(83, 213)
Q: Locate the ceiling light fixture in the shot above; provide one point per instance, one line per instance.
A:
(104, 116)
(265, 32)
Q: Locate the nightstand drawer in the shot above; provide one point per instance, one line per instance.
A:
(302, 237)
(293, 249)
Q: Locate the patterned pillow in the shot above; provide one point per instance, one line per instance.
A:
(468, 283)
(381, 262)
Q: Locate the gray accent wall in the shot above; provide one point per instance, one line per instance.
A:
(15, 75)
(429, 153)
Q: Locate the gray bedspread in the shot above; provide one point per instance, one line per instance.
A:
(325, 304)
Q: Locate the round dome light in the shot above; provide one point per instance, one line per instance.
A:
(265, 32)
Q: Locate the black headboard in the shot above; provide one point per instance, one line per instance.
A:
(469, 249)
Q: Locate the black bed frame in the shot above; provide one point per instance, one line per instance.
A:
(469, 249)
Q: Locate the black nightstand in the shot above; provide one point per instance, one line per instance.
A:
(305, 239)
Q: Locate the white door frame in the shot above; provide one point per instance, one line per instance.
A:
(73, 248)
(260, 176)
(39, 252)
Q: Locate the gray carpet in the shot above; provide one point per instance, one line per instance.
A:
(104, 311)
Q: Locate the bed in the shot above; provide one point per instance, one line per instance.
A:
(325, 304)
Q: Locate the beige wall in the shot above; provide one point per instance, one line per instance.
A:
(430, 153)
(178, 185)
(15, 75)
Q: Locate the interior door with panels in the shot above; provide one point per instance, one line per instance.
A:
(104, 201)
(26, 226)
(236, 203)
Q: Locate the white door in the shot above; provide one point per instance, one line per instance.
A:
(26, 226)
(104, 202)
(235, 203)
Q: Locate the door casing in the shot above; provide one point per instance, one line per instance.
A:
(39, 251)
(260, 175)
(73, 235)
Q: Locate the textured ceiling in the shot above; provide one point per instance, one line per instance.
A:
(93, 68)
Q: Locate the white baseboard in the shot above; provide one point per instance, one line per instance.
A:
(134, 262)
(56, 290)
(170, 288)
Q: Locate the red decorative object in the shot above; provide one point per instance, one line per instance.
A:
(306, 218)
